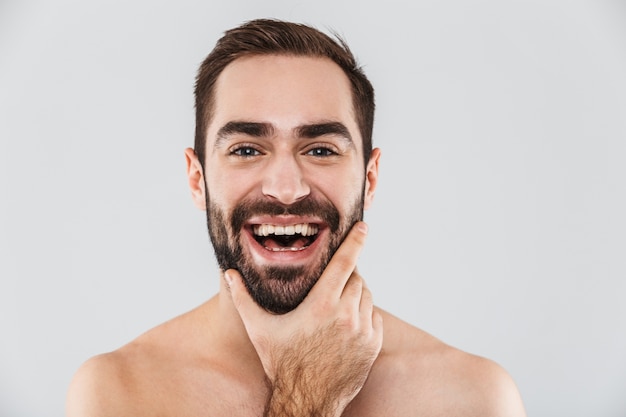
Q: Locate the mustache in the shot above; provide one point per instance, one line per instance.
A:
(307, 207)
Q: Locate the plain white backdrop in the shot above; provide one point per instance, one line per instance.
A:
(499, 221)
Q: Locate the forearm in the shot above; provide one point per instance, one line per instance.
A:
(312, 379)
(291, 400)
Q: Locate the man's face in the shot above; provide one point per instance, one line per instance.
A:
(284, 173)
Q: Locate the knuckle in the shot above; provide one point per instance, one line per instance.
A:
(352, 322)
(347, 323)
(354, 285)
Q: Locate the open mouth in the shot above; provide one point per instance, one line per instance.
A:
(285, 238)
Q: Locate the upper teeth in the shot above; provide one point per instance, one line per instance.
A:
(305, 229)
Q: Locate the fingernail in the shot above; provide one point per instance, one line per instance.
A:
(229, 279)
(362, 227)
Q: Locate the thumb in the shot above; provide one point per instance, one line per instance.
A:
(242, 300)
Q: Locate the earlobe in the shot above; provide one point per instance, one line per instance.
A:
(195, 179)
(371, 178)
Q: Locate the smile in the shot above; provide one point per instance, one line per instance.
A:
(285, 238)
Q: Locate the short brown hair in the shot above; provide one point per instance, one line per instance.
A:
(269, 36)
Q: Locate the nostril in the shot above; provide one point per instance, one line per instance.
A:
(286, 192)
(284, 180)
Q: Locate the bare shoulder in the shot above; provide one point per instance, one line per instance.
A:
(480, 385)
(418, 374)
(124, 381)
(98, 388)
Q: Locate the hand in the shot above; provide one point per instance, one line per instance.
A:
(318, 356)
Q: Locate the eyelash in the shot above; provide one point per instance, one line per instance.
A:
(238, 151)
(250, 151)
(327, 151)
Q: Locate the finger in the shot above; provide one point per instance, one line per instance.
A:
(353, 289)
(243, 302)
(367, 301)
(377, 326)
(342, 264)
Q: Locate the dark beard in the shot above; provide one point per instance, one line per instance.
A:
(278, 289)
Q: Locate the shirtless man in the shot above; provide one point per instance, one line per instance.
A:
(283, 165)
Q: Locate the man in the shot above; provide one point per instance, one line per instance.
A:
(283, 165)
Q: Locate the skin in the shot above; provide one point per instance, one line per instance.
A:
(336, 353)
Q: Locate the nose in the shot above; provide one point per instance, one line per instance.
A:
(284, 180)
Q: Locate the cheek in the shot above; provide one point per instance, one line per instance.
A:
(226, 189)
(343, 192)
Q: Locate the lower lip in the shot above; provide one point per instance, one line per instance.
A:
(261, 255)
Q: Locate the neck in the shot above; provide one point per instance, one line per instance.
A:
(229, 327)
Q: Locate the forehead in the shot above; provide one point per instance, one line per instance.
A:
(285, 91)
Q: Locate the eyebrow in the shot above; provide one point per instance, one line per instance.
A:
(315, 130)
(254, 129)
(260, 129)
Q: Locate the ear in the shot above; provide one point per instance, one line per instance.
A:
(195, 178)
(371, 178)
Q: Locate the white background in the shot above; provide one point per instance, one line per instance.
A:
(499, 220)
